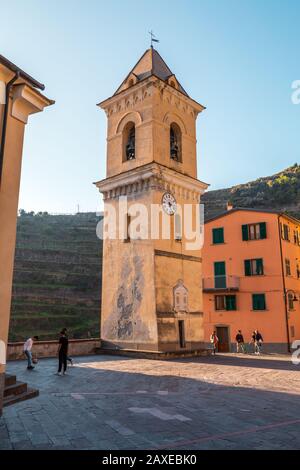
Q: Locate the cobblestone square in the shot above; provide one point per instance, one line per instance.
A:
(109, 402)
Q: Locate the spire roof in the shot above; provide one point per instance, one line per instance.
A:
(151, 63)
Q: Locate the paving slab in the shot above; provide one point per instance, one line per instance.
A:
(222, 402)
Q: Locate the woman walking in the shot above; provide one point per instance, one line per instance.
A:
(214, 341)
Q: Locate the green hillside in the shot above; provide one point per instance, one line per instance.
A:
(56, 276)
(280, 191)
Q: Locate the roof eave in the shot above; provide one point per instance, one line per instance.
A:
(14, 68)
(249, 209)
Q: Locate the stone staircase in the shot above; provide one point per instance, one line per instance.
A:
(15, 391)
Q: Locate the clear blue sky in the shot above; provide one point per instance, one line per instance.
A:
(237, 57)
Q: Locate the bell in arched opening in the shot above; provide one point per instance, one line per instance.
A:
(130, 145)
(175, 142)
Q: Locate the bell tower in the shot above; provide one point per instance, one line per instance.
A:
(152, 279)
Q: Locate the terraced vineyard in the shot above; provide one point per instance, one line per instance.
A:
(57, 276)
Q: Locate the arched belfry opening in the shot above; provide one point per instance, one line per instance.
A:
(129, 142)
(175, 143)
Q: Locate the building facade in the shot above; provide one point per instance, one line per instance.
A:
(251, 261)
(19, 98)
(151, 283)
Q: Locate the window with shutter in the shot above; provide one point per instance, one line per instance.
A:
(254, 231)
(245, 232)
(230, 302)
(286, 232)
(220, 302)
(258, 302)
(254, 267)
(220, 275)
(259, 267)
(263, 230)
(247, 267)
(218, 235)
(287, 267)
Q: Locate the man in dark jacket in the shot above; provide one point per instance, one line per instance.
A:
(240, 344)
(258, 341)
(62, 353)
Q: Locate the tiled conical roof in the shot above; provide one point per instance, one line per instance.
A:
(151, 63)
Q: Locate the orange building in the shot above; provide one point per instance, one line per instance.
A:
(251, 278)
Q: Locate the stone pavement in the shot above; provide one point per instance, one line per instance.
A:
(222, 402)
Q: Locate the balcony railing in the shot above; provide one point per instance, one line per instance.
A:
(221, 283)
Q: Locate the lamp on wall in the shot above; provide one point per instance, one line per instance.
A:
(290, 291)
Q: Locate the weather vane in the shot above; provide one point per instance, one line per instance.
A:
(153, 38)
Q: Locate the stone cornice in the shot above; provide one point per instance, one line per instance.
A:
(151, 176)
(181, 256)
(129, 98)
(26, 101)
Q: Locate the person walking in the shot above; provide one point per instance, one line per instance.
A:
(258, 342)
(253, 341)
(62, 353)
(69, 359)
(240, 344)
(27, 348)
(214, 341)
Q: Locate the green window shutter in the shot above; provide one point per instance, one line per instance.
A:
(263, 230)
(219, 267)
(218, 235)
(220, 274)
(245, 232)
(259, 302)
(259, 266)
(247, 267)
(230, 302)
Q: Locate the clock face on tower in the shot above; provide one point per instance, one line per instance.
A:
(169, 203)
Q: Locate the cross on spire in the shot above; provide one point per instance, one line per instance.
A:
(153, 38)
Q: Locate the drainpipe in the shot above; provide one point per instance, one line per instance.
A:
(284, 290)
(5, 118)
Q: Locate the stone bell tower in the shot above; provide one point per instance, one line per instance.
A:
(151, 285)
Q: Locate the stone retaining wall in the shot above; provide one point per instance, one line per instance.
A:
(77, 347)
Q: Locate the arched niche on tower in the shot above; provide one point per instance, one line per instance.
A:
(127, 128)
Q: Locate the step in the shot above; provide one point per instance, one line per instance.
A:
(154, 355)
(16, 389)
(10, 380)
(12, 400)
